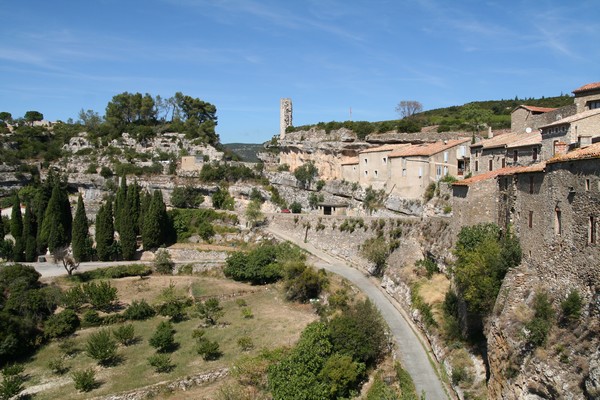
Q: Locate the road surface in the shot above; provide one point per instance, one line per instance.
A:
(411, 351)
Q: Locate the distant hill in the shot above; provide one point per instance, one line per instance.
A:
(246, 151)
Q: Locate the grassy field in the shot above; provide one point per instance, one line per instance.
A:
(275, 323)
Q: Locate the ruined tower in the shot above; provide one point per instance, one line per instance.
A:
(285, 116)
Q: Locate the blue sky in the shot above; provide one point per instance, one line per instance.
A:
(328, 56)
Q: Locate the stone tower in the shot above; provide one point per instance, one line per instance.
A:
(285, 116)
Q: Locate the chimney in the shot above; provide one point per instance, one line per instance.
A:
(560, 148)
(490, 133)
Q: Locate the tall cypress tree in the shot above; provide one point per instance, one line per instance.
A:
(105, 231)
(145, 200)
(29, 234)
(128, 236)
(57, 223)
(16, 229)
(120, 203)
(82, 244)
(133, 202)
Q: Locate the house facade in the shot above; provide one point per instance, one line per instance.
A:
(374, 165)
(578, 130)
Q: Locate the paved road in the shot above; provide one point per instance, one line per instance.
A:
(411, 351)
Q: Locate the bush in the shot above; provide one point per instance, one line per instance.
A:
(101, 347)
(68, 347)
(12, 381)
(91, 318)
(58, 366)
(245, 343)
(139, 311)
(296, 207)
(540, 324)
(429, 265)
(163, 339)
(161, 363)
(84, 380)
(429, 192)
(106, 172)
(303, 282)
(62, 324)
(210, 310)
(247, 313)
(571, 306)
(163, 263)
(125, 334)
(209, 350)
(100, 295)
(73, 298)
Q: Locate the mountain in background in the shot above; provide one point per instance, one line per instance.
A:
(246, 151)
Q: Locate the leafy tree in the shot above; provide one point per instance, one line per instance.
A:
(62, 324)
(540, 324)
(163, 263)
(12, 381)
(101, 295)
(262, 265)
(306, 173)
(186, 197)
(82, 243)
(125, 334)
(373, 200)
(253, 213)
(85, 380)
(102, 347)
(161, 362)
(139, 310)
(296, 207)
(208, 349)
(377, 251)
(6, 117)
(173, 304)
(303, 282)
(571, 306)
(105, 232)
(90, 119)
(222, 200)
(33, 116)
(408, 108)
(210, 310)
(341, 373)
(163, 339)
(476, 117)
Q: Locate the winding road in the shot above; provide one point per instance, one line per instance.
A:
(412, 353)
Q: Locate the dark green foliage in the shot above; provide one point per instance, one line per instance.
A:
(198, 221)
(120, 207)
(407, 386)
(73, 298)
(262, 265)
(127, 235)
(424, 308)
(208, 349)
(359, 332)
(106, 172)
(91, 318)
(105, 232)
(256, 195)
(429, 265)
(133, 205)
(306, 173)
(102, 347)
(222, 200)
(57, 222)
(483, 256)
(452, 329)
(85, 380)
(62, 324)
(29, 234)
(101, 295)
(210, 310)
(24, 306)
(161, 362)
(163, 339)
(543, 316)
(314, 200)
(12, 381)
(58, 366)
(163, 263)
(376, 250)
(82, 243)
(16, 229)
(296, 207)
(340, 373)
(156, 223)
(125, 334)
(186, 197)
(303, 282)
(116, 272)
(228, 172)
(571, 306)
(139, 310)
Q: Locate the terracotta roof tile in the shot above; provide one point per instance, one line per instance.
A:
(427, 149)
(589, 152)
(527, 139)
(385, 147)
(536, 109)
(574, 117)
(501, 172)
(589, 86)
(500, 140)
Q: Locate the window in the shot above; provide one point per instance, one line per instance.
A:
(376, 173)
(531, 219)
(403, 171)
(438, 171)
(384, 159)
(515, 155)
(366, 161)
(592, 105)
(592, 230)
(503, 162)
(557, 222)
(445, 156)
(587, 185)
(535, 154)
(531, 185)
(476, 166)
(420, 172)
(491, 165)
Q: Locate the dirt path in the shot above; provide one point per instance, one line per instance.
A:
(412, 353)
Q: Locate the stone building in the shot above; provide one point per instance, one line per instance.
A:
(526, 118)
(350, 169)
(374, 165)
(414, 167)
(587, 97)
(516, 149)
(578, 130)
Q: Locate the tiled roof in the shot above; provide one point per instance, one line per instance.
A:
(536, 109)
(501, 172)
(589, 86)
(385, 147)
(591, 151)
(500, 140)
(427, 149)
(527, 139)
(350, 161)
(575, 117)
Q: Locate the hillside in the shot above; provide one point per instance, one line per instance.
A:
(246, 151)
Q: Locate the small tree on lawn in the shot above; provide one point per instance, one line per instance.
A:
(163, 339)
(102, 347)
(163, 263)
(210, 310)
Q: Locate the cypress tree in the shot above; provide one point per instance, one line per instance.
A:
(82, 246)
(1, 229)
(105, 232)
(57, 223)
(120, 203)
(151, 232)
(16, 229)
(145, 199)
(128, 236)
(29, 234)
(133, 202)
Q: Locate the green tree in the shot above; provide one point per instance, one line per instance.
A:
(163, 339)
(102, 347)
(16, 229)
(540, 324)
(222, 200)
(105, 232)
(163, 263)
(476, 116)
(156, 223)
(377, 251)
(29, 234)
(186, 197)
(6, 117)
(82, 243)
(33, 116)
(120, 203)
(253, 213)
(306, 174)
(210, 310)
(571, 306)
(57, 221)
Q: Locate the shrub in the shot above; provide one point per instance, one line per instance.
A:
(101, 347)
(209, 350)
(125, 334)
(91, 318)
(161, 362)
(429, 192)
(163, 339)
(73, 298)
(540, 324)
(58, 366)
(173, 305)
(106, 172)
(84, 380)
(296, 207)
(163, 263)
(62, 324)
(303, 282)
(241, 302)
(12, 381)
(429, 265)
(68, 347)
(245, 343)
(571, 306)
(210, 310)
(247, 313)
(139, 310)
(100, 295)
